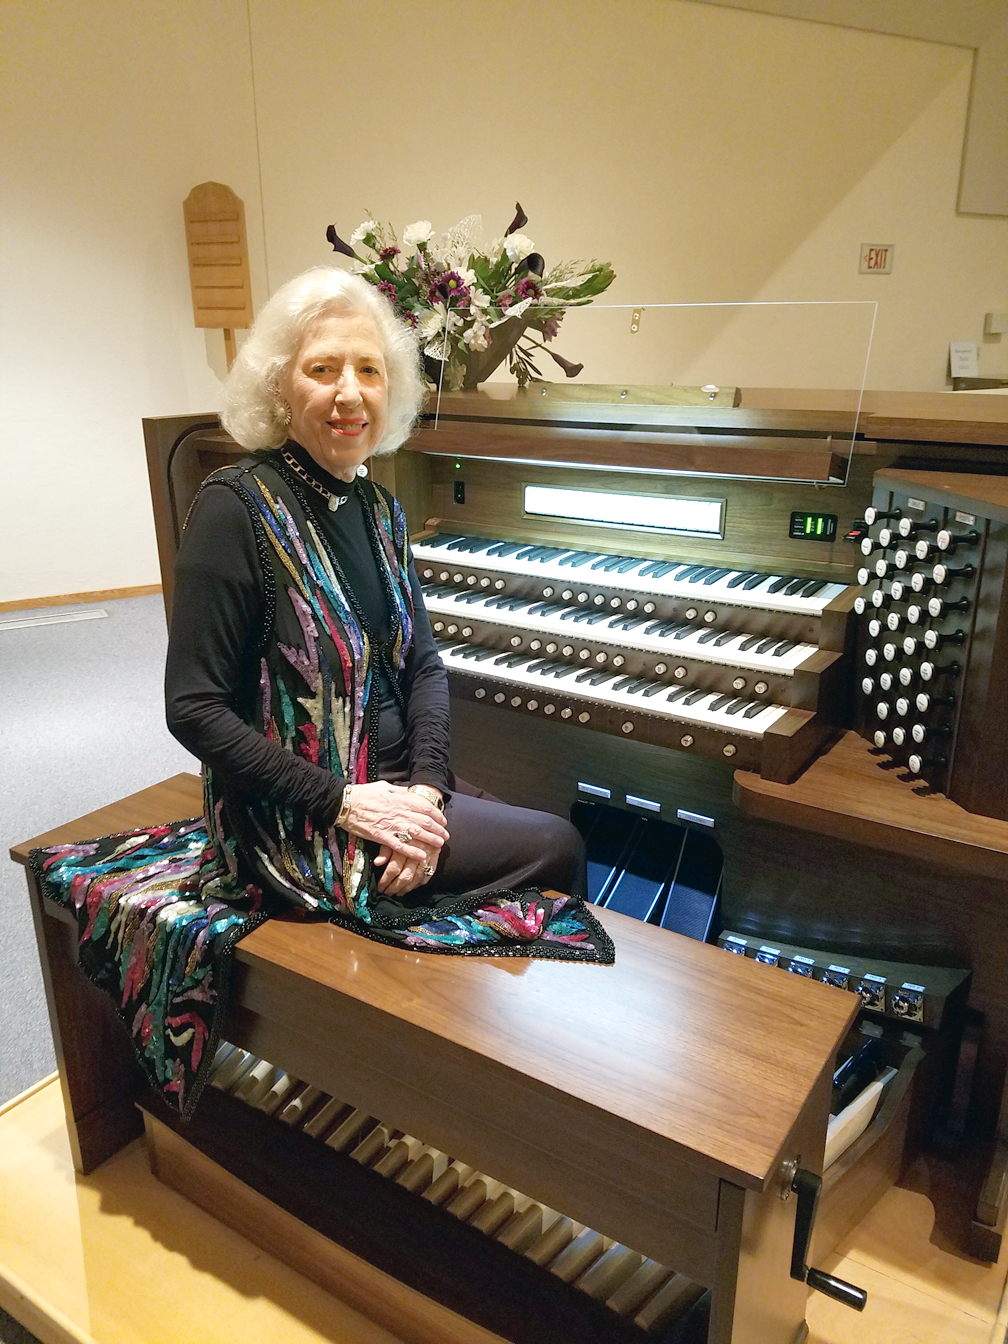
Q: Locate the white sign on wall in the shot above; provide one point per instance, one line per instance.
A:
(876, 258)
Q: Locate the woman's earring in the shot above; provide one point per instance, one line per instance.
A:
(284, 413)
(362, 470)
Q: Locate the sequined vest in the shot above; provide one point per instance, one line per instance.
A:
(315, 693)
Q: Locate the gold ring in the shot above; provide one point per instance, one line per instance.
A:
(428, 870)
(405, 835)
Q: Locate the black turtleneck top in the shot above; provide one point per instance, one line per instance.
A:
(213, 660)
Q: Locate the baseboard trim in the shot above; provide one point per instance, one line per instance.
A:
(70, 599)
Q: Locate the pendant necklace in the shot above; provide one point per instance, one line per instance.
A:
(334, 500)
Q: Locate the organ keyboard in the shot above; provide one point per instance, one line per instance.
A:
(677, 654)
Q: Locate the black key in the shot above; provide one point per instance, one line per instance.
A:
(506, 548)
(450, 645)
(720, 702)
(677, 694)
(585, 557)
(509, 659)
(544, 608)
(814, 587)
(714, 575)
(459, 544)
(688, 572)
(548, 553)
(782, 648)
(654, 688)
(540, 665)
(725, 638)
(684, 631)
(624, 682)
(749, 643)
(638, 685)
(632, 622)
(756, 708)
(578, 557)
(664, 569)
(706, 637)
(599, 677)
(614, 564)
(528, 553)
(694, 696)
(481, 655)
(655, 626)
(754, 582)
(474, 651)
(474, 545)
(582, 614)
(741, 578)
(780, 583)
(736, 705)
(437, 590)
(605, 560)
(474, 596)
(766, 645)
(795, 587)
(570, 613)
(554, 664)
(649, 567)
(629, 564)
(585, 675)
(440, 541)
(566, 670)
(595, 616)
(702, 573)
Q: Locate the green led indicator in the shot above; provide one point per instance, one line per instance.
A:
(819, 527)
(458, 466)
(808, 526)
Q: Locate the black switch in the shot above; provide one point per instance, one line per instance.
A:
(459, 489)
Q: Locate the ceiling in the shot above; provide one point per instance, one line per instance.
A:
(961, 23)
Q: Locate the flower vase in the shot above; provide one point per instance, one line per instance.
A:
(480, 364)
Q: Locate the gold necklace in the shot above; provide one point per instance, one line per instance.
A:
(334, 500)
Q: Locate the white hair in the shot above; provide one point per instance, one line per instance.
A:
(253, 411)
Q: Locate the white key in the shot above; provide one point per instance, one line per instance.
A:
(548, 687)
(554, 571)
(603, 632)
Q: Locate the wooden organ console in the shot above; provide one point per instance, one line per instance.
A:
(709, 679)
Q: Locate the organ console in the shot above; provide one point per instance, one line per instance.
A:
(701, 674)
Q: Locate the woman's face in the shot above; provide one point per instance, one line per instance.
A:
(337, 387)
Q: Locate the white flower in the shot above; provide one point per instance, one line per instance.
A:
(477, 337)
(433, 322)
(362, 231)
(495, 249)
(518, 247)
(415, 234)
(479, 299)
(362, 268)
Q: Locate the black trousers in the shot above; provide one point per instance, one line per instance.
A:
(493, 845)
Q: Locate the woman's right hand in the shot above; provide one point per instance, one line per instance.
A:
(385, 812)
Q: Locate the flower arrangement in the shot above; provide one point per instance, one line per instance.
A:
(473, 308)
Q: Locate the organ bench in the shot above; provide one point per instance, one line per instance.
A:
(659, 1100)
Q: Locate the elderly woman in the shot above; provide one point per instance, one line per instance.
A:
(301, 666)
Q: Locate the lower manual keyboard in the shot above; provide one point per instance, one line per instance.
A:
(655, 1298)
(735, 727)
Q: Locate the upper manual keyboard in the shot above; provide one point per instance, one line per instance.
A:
(437, 559)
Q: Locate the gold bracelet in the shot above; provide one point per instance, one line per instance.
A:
(343, 814)
(429, 792)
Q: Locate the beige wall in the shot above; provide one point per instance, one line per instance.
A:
(710, 153)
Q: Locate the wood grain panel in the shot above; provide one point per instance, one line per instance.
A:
(685, 1046)
(850, 793)
(757, 515)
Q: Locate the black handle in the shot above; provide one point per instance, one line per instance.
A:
(808, 1186)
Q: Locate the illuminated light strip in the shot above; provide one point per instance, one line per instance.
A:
(659, 513)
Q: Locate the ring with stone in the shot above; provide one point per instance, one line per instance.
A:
(428, 870)
(405, 835)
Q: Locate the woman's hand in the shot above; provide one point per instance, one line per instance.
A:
(403, 874)
(403, 822)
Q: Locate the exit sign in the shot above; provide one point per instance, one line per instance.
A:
(876, 258)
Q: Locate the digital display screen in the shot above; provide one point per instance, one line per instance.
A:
(813, 526)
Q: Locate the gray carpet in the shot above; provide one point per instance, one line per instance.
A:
(81, 724)
(11, 1332)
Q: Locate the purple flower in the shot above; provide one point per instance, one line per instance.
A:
(550, 328)
(505, 301)
(388, 289)
(571, 370)
(450, 288)
(338, 245)
(387, 253)
(528, 288)
(519, 221)
(409, 317)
